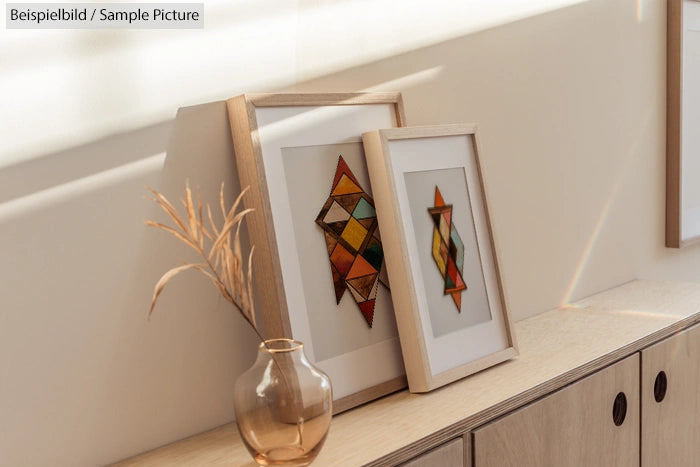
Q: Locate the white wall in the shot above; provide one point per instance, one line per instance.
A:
(570, 96)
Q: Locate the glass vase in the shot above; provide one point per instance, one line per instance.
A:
(283, 405)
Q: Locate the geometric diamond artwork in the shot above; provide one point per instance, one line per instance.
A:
(448, 249)
(355, 252)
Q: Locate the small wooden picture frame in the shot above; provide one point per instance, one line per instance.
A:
(298, 154)
(448, 296)
(682, 120)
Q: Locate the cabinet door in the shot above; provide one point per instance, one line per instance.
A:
(450, 454)
(671, 401)
(579, 425)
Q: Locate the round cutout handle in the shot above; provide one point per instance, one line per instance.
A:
(619, 411)
(660, 386)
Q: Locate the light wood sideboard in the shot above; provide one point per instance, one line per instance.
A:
(555, 404)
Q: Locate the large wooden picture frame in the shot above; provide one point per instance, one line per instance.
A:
(441, 256)
(682, 120)
(289, 149)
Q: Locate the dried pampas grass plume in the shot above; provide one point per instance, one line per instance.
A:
(221, 262)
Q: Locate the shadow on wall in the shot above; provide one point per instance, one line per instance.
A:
(66, 167)
(84, 265)
(83, 269)
(201, 342)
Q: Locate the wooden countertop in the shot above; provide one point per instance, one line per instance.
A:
(557, 348)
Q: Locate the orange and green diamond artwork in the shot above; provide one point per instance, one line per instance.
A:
(448, 249)
(355, 252)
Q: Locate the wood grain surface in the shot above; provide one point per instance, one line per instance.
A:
(671, 427)
(570, 428)
(449, 454)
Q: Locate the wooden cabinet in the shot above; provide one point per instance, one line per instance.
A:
(575, 425)
(670, 393)
(450, 454)
(594, 421)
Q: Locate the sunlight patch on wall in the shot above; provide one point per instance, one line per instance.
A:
(27, 205)
(589, 248)
(408, 81)
(359, 31)
(61, 88)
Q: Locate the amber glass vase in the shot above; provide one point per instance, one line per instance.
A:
(283, 405)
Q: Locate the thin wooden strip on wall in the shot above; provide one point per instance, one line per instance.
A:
(674, 64)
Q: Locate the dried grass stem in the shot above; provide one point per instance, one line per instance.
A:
(222, 262)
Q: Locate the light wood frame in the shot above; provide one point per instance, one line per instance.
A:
(674, 126)
(411, 316)
(248, 147)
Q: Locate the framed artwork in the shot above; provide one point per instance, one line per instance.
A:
(318, 266)
(450, 306)
(682, 121)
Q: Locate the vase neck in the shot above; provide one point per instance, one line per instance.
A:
(281, 346)
(281, 350)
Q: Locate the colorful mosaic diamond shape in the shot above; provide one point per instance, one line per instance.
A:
(355, 253)
(447, 249)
